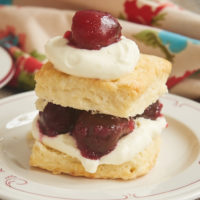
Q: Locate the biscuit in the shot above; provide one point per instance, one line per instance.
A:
(123, 97)
(57, 162)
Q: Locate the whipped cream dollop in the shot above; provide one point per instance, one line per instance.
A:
(108, 63)
(128, 146)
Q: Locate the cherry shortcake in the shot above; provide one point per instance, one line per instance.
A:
(99, 113)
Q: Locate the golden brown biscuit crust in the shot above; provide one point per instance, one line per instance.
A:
(123, 97)
(57, 162)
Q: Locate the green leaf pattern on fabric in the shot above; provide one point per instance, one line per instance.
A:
(155, 20)
(37, 55)
(122, 16)
(150, 38)
(18, 54)
(26, 81)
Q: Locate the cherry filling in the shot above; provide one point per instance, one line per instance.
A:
(56, 119)
(152, 112)
(96, 134)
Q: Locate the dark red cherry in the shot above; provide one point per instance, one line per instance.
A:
(153, 111)
(56, 119)
(93, 29)
(98, 134)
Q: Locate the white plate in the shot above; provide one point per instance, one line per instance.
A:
(176, 175)
(6, 67)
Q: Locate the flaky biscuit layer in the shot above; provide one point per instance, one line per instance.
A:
(57, 162)
(123, 97)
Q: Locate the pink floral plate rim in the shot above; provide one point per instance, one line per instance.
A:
(6, 67)
(13, 186)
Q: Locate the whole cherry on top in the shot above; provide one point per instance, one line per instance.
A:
(93, 29)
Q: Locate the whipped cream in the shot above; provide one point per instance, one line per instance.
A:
(108, 63)
(126, 148)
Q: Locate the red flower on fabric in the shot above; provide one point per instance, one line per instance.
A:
(144, 14)
(31, 64)
(5, 32)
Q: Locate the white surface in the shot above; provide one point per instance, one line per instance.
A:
(175, 177)
(110, 62)
(6, 68)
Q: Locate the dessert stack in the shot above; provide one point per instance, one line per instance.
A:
(98, 101)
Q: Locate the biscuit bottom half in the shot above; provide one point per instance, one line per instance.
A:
(57, 162)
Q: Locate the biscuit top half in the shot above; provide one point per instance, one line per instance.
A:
(126, 96)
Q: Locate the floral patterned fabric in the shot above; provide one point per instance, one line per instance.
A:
(159, 27)
(25, 64)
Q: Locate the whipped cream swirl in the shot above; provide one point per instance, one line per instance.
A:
(108, 63)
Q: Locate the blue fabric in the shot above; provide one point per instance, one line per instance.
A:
(9, 41)
(5, 2)
(176, 42)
